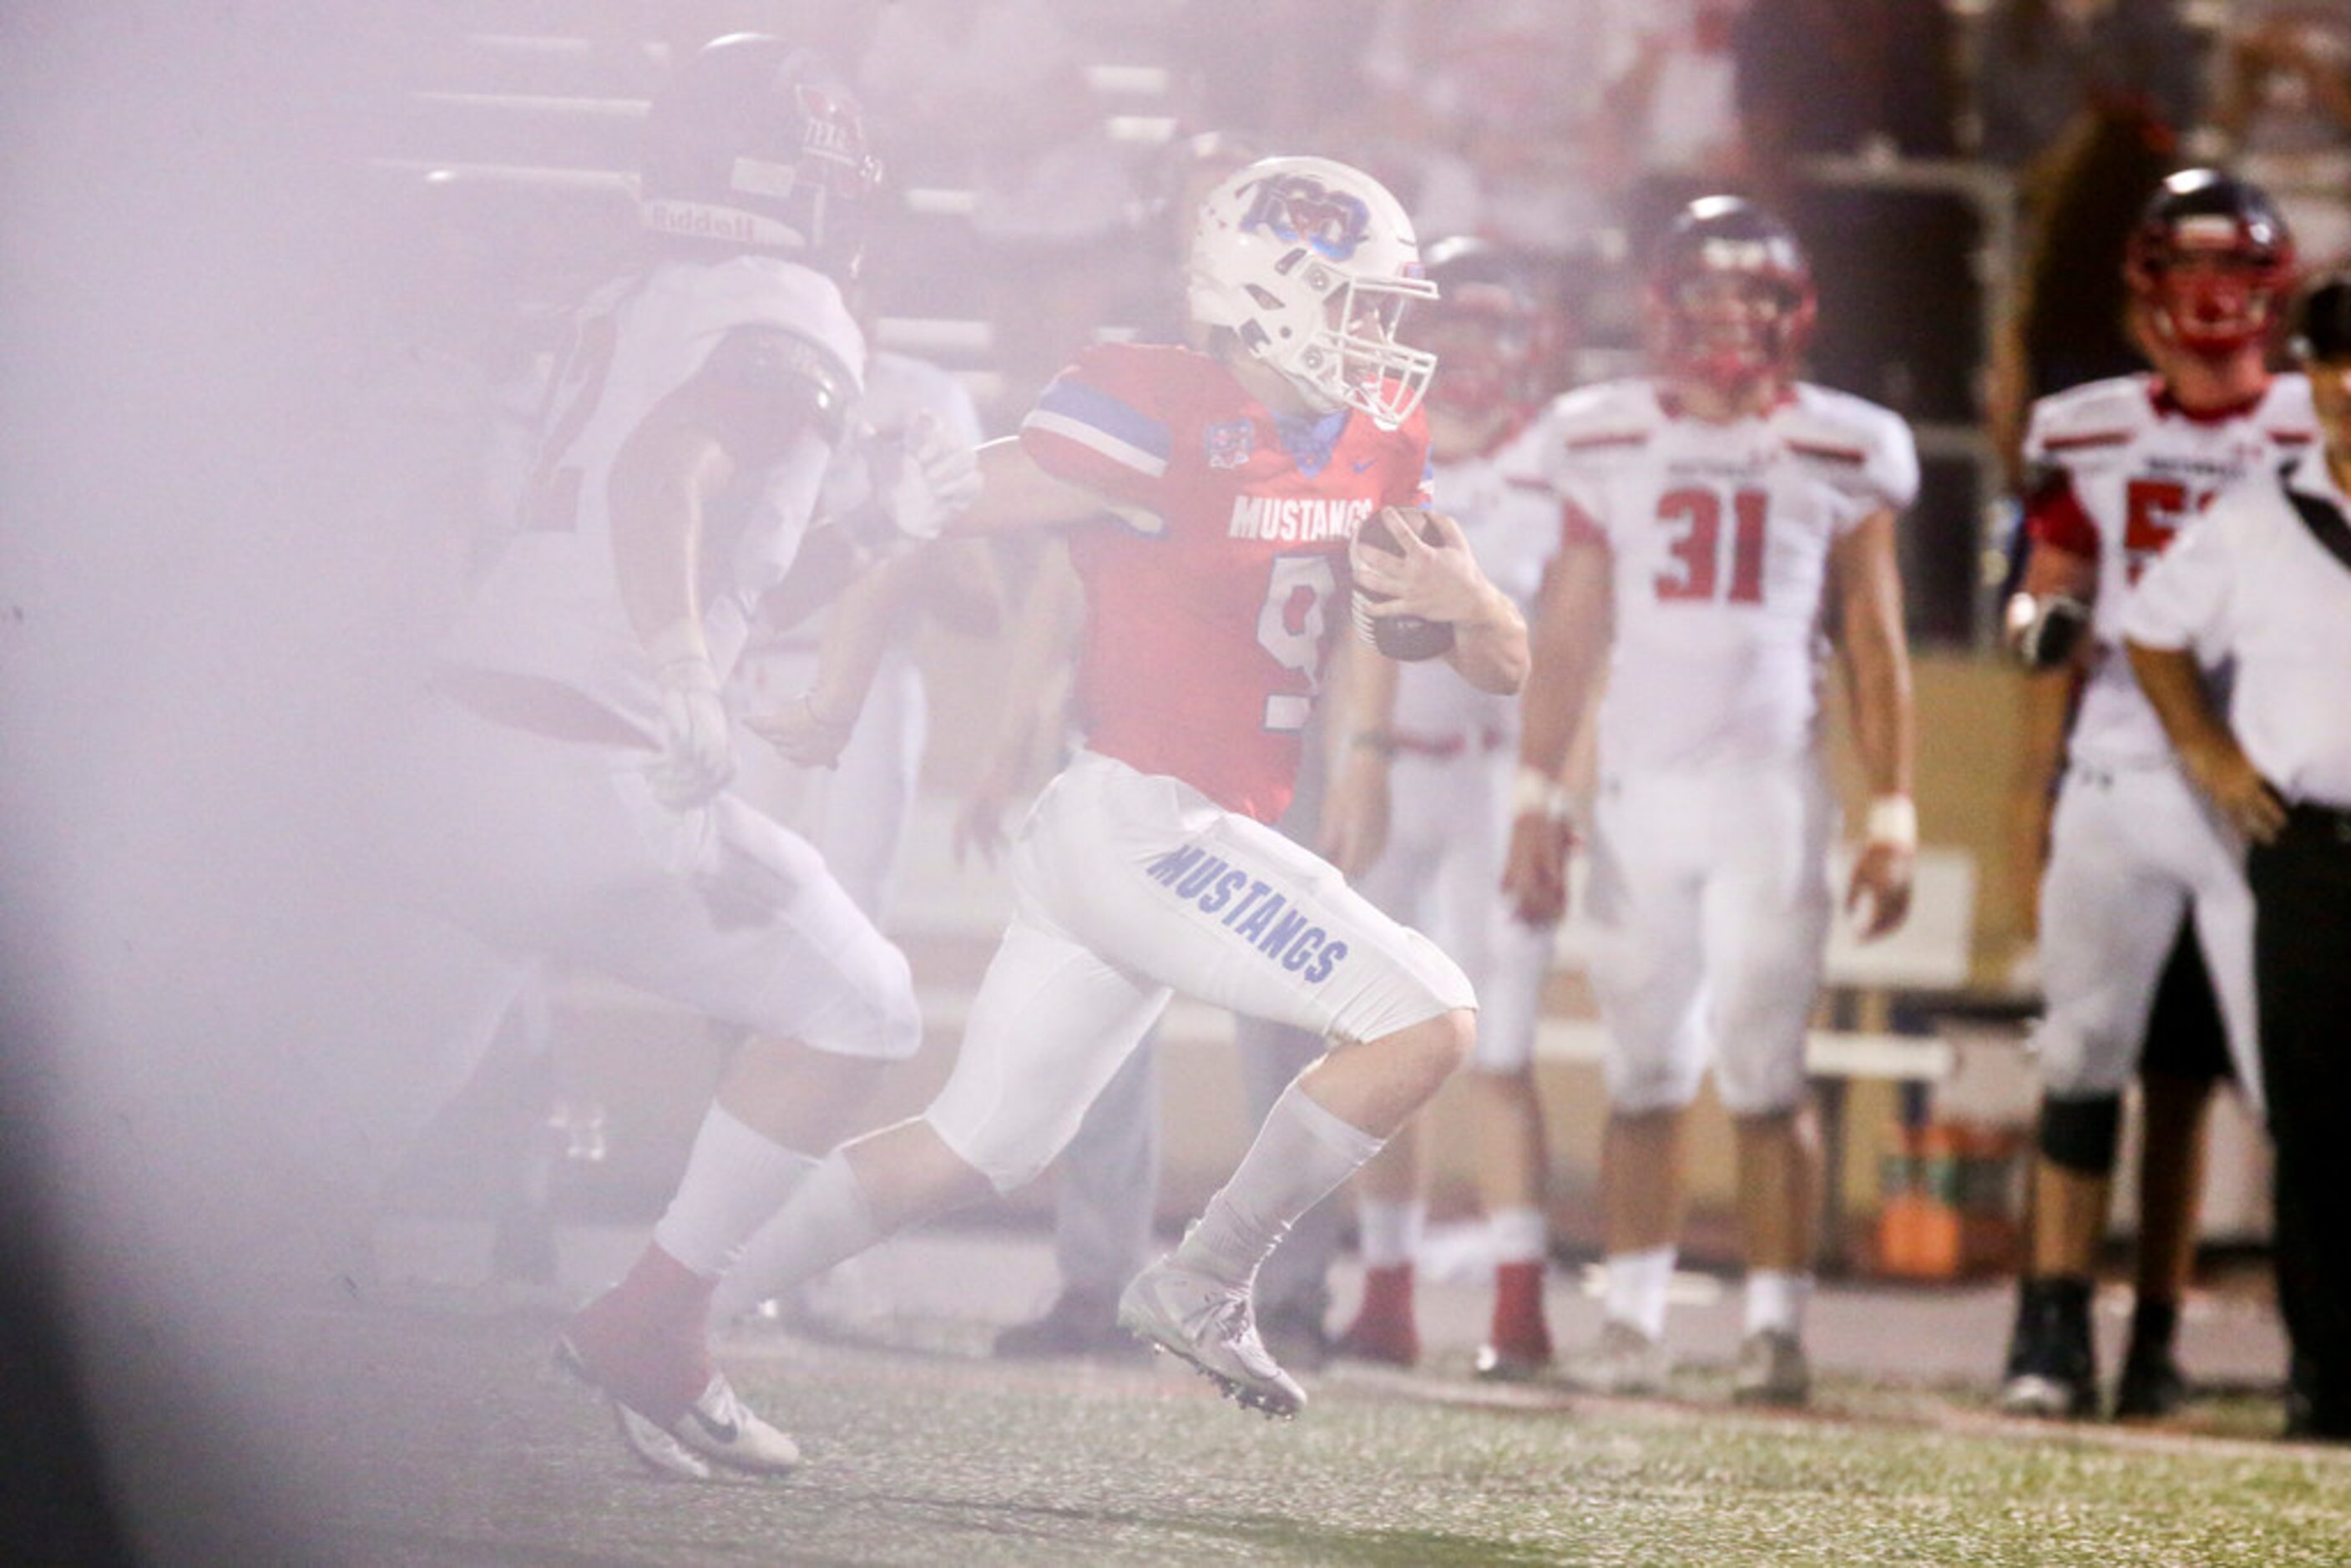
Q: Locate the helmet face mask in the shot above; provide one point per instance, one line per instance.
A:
(1310, 265)
(757, 146)
(2209, 264)
(1730, 299)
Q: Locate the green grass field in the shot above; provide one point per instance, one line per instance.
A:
(934, 1456)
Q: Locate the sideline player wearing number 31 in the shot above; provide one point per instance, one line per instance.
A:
(1720, 517)
(1238, 478)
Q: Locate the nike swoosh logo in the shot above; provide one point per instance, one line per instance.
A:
(722, 1431)
(1366, 463)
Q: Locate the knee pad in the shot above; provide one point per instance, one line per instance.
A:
(2080, 1135)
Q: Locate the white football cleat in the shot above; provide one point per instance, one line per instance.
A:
(1773, 1370)
(1208, 1323)
(1623, 1361)
(717, 1425)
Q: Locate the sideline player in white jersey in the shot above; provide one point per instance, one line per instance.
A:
(1419, 810)
(581, 752)
(2120, 468)
(1237, 479)
(1723, 521)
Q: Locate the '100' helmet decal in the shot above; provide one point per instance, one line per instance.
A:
(1297, 209)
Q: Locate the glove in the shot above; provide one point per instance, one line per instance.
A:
(929, 482)
(2045, 629)
(697, 754)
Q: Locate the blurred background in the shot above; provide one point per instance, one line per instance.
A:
(276, 279)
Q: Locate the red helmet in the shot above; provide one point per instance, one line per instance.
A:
(2210, 261)
(1495, 338)
(1731, 296)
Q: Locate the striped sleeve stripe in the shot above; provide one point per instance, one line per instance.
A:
(1102, 424)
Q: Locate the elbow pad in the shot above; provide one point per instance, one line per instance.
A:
(2045, 630)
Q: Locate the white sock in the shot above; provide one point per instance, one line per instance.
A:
(1302, 1154)
(1518, 1235)
(734, 1178)
(1776, 1301)
(1637, 1283)
(827, 1220)
(1391, 1231)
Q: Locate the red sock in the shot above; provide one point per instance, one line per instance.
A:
(1519, 1329)
(1384, 1328)
(646, 1340)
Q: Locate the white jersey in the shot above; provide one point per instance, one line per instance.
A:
(2118, 471)
(2261, 586)
(1719, 538)
(1510, 513)
(550, 606)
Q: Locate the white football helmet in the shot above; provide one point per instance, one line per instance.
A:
(1311, 264)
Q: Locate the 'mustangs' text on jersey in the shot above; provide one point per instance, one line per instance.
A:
(1212, 600)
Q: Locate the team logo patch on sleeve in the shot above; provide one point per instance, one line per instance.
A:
(1253, 910)
(1230, 446)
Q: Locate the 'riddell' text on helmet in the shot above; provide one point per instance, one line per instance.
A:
(1730, 298)
(1309, 263)
(755, 144)
(2210, 262)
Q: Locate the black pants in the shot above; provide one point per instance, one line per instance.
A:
(2302, 976)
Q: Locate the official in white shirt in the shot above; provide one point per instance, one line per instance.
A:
(2264, 583)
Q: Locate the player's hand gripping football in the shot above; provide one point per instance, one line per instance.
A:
(1435, 580)
(697, 755)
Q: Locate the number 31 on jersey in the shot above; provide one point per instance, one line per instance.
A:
(1697, 548)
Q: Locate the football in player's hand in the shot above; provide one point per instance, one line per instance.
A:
(1405, 638)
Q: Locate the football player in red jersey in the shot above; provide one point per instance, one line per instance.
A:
(1237, 477)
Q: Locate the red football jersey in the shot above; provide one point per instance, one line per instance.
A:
(1213, 599)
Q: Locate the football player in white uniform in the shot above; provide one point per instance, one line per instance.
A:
(582, 809)
(1420, 810)
(1723, 523)
(2119, 468)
